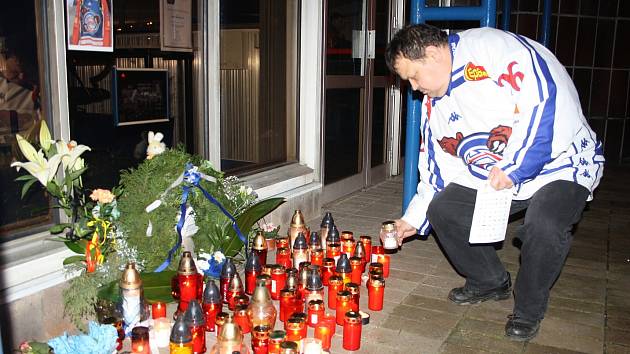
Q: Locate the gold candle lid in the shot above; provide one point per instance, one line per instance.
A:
(355, 261)
(353, 288)
(388, 225)
(344, 295)
(130, 278)
(315, 305)
(328, 262)
(376, 281)
(187, 264)
(278, 269)
(261, 331)
(259, 242)
(298, 219)
(353, 317)
(335, 280)
(230, 332)
(347, 235)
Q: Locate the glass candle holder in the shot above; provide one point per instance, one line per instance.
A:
(376, 291)
(384, 259)
(267, 268)
(316, 311)
(375, 269)
(211, 311)
(328, 270)
(221, 318)
(158, 310)
(198, 339)
(260, 339)
(357, 269)
(295, 329)
(335, 285)
(289, 347)
(302, 316)
(347, 247)
(282, 242)
(311, 346)
(190, 287)
(388, 235)
(317, 257)
(352, 331)
(241, 300)
(287, 300)
(324, 333)
(353, 289)
(344, 304)
(347, 235)
(259, 247)
(275, 339)
(265, 280)
(161, 332)
(140, 340)
(250, 280)
(333, 251)
(240, 318)
(283, 257)
(367, 245)
(278, 281)
(376, 250)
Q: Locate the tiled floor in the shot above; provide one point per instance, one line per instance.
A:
(589, 310)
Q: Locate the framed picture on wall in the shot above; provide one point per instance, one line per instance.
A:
(89, 25)
(140, 96)
(176, 25)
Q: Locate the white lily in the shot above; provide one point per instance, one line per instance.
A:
(71, 152)
(45, 140)
(42, 169)
(29, 151)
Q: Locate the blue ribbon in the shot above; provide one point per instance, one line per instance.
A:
(192, 178)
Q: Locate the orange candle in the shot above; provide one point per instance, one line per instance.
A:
(356, 264)
(348, 247)
(283, 257)
(295, 328)
(275, 339)
(367, 244)
(352, 331)
(140, 340)
(240, 318)
(323, 333)
(347, 235)
(328, 270)
(316, 312)
(376, 250)
(158, 310)
(376, 291)
(344, 304)
(354, 291)
(335, 284)
(333, 251)
(317, 257)
(384, 259)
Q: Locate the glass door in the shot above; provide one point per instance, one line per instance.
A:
(355, 99)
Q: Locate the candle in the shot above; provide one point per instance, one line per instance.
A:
(221, 318)
(211, 311)
(195, 319)
(295, 328)
(260, 339)
(241, 300)
(282, 242)
(328, 270)
(259, 247)
(344, 304)
(384, 259)
(283, 257)
(352, 331)
(235, 289)
(181, 338)
(227, 272)
(335, 285)
(356, 264)
(388, 235)
(367, 245)
(289, 348)
(162, 329)
(287, 300)
(316, 311)
(278, 281)
(343, 269)
(347, 235)
(353, 289)
(376, 250)
(325, 330)
(302, 316)
(212, 304)
(333, 251)
(241, 319)
(158, 310)
(347, 247)
(317, 257)
(275, 339)
(253, 268)
(300, 250)
(311, 346)
(296, 227)
(265, 280)
(140, 340)
(376, 290)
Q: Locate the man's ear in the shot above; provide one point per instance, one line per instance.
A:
(433, 53)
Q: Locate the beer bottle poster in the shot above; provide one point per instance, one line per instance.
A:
(89, 25)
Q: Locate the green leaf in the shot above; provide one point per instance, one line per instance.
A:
(73, 259)
(26, 187)
(76, 174)
(56, 229)
(77, 246)
(53, 189)
(157, 287)
(246, 220)
(24, 178)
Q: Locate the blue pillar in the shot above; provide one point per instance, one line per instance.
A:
(507, 11)
(546, 23)
(486, 14)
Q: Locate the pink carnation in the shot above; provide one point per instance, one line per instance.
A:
(102, 196)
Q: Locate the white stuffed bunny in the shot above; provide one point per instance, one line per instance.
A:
(156, 146)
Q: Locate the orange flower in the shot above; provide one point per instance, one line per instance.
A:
(102, 196)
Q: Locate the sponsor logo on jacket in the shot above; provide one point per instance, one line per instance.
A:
(473, 72)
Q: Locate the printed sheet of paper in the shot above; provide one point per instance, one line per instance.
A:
(492, 210)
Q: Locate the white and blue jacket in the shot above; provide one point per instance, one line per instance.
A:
(510, 104)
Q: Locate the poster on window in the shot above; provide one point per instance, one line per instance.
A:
(90, 25)
(176, 25)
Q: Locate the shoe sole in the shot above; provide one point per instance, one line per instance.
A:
(496, 297)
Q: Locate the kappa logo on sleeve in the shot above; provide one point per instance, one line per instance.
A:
(473, 72)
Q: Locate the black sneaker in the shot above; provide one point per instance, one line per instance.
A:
(466, 296)
(520, 329)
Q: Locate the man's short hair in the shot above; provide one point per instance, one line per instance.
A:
(411, 41)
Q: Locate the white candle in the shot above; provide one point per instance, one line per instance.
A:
(312, 346)
(162, 329)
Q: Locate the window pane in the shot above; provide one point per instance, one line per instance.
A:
(19, 114)
(258, 85)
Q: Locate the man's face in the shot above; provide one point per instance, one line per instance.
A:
(429, 75)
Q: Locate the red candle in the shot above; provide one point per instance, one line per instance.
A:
(344, 304)
(384, 259)
(275, 339)
(260, 339)
(376, 250)
(347, 235)
(240, 318)
(262, 254)
(367, 244)
(335, 284)
(287, 300)
(316, 312)
(348, 247)
(140, 340)
(211, 311)
(283, 257)
(333, 251)
(278, 281)
(158, 310)
(357, 269)
(324, 331)
(353, 289)
(250, 280)
(376, 291)
(190, 287)
(198, 339)
(295, 328)
(282, 242)
(352, 331)
(317, 257)
(328, 270)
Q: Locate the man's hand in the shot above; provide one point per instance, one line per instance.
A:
(403, 230)
(499, 180)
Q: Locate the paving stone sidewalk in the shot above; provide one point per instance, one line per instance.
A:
(589, 310)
